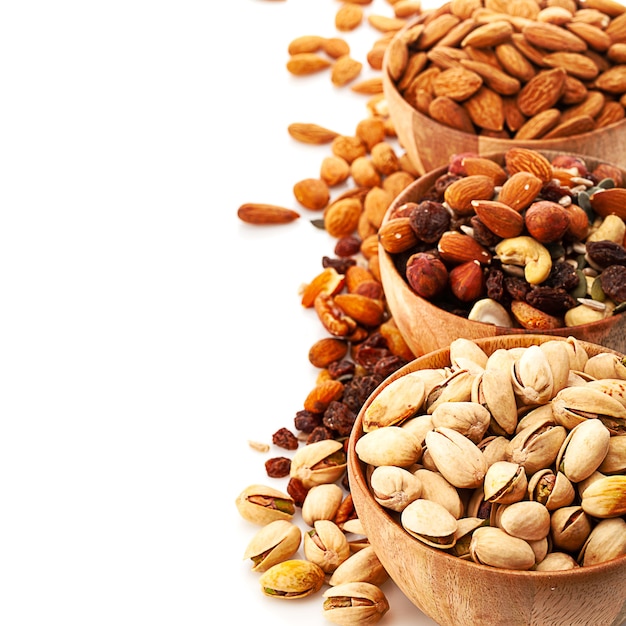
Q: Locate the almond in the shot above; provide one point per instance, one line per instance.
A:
(574, 63)
(520, 190)
(341, 218)
(370, 131)
(514, 119)
(363, 310)
(527, 160)
(538, 125)
(306, 43)
(348, 147)
(542, 91)
(612, 112)
(494, 78)
(385, 24)
(456, 248)
(311, 133)
(514, 62)
(334, 170)
(398, 58)
(436, 29)
(617, 53)
(260, 213)
(348, 16)
(364, 173)
(464, 8)
(384, 158)
(328, 281)
(591, 105)
(485, 109)
(457, 83)
(396, 342)
(461, 192)
(318, 399)
(345, 69)
(574, 91)
(370, 86)
(326, 351)
(533, 53)
(397, 235)
(446, 57)
(610, 7)
(312, 193)
(489, 35)
(499, 218)
(355, 276)
(305, 63)
(487, 167)
(612, 80)
(450, 113)
(594, 36)
(406, 8)
(456, 34)
(610, 201)
(553, 37)
(335, 47)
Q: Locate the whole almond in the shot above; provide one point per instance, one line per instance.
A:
(457, 83)
(406, 8)
(542, 91)
(617, 53)
(486, 109)
(334, 170)
(260, 213)
(533, 53)
(553, 37)
(493, 77)
(384, 158)
(520, 190)
(610, 201)
(464, 8)
(375, 205)
(370, 130)
(514, 62)
(369, 86)
(610, 7)
(594, 36)
(385, 24)
(574, 63)
(489, 35)
(456, 248)
(611, 112)
(345, 69)
(326, 351)
(397, 235)
(335, 47)
(457, 34)
(473, 165)
(460, 194)
(612, 80)
(305, 43)
(574, 91)
(526, 160)
(364, 173)
(538, 125)
(398, 57)
(450, 113)
(364, 310)
(311, 133)
(499, 218)
(348, 147)
(342, 217)
(436, 29)
(591, 105)
(312, 193)
(514, 119)
(348, 16)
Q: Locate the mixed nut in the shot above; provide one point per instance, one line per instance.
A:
(541, 485)
(530, 242)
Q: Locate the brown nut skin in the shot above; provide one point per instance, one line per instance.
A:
(467, 281)
(546, 221)
(426, 274)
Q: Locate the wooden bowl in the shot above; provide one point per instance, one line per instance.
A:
(426, 327)
(456, 592)
(429, 143)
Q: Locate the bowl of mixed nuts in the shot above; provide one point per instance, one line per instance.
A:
(483, 75)
(519, 242)
(490, 479)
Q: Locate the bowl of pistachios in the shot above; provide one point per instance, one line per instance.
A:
(517, 242)
(490, 479)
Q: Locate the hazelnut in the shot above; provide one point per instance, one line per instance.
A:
(467, 281)
(426, 274)
(546, 221)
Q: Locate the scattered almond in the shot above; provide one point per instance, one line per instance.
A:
(260, 213)
(311, 133)
(305, 63)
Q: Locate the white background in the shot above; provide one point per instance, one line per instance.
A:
(146, 333)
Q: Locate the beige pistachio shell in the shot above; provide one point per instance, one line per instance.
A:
(457, 387)
(471, 419)
(430, 522)
(463, 535)
(501, 360)
(583, 484)
(532, 377)
(527, 520)
(569, 528)
(458, 459)
(277, 541)
(493, 389)
(292, 579)
(494, 449)
(551, 489)
(436, 488)
(606, 365)
(394, 487)
(505, 482)
(605, 497)
(559, 360)
(321, 502)
(419, 426)
(391, 445)
(615, 459)
(326, 545)
(494, 547)
(261, 504)
(606, 541)
(540, 547)
(583, 450)
(479, 506)
(614, 387)
(578, 356)
(556, 562)
(400, 399)
(467, 354)
(537, 446)
(536, 417)
(573, 405)
(361, 566)
(319, 462)
(356, 603)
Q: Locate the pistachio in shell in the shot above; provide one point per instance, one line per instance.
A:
(326, 545)
(275, 542)
(505, 482)
(321, 502)
(494, 547)
(495, 448)
(292, 579)
(573, 405)
(493, 389)
(606, 541)
(456, 387)
(559, 360)
(551, 489)
(394, 487)
(390, 445)
(614, 387)
(606, 365)
(361, 566)
(583, 450)
(556, 562)
(531, 373)
(355, 603)
(467, 354)
(430, 522)
(526, 519)
(261, 504)
(471, 419)
(436, 488)
(319, 462)
(569, 528)
(615, 459)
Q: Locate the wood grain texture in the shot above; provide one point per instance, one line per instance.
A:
(455, 592)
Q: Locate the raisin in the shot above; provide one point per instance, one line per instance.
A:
(297, 491)
(320, 433)
(516, 287)
(278, 467)
(306, 421)
(347, 246)
(495, 284)
(358, 390)
(613, 281)
(284, 438)
(551, 300)
(482, 234)
(339, 370)
(442, 183)
(554, 192)
(605, 253)
(341, 265)
(339, 417)
(429, 220)
(388, 365)
(562, 275)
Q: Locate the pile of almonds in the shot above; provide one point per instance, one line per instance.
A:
(363, 172)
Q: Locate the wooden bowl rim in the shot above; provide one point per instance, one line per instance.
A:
(356, 475)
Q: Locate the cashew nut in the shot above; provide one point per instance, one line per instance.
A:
(528, 253)
(612, 228)
(490, 312)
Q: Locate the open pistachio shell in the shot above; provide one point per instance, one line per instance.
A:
(261, 504)
(614, 387)
(326, 545)
(394, 487)
(494, 547)
(495, 448)
(361, 566)
(321, 502)
(292, 579)
(456, 387)
(277, 541)
(551, 489)
(355, 603)
(615, 459)
(466, 354)
(391, 445)
(505, 482)
(319, 462)
(583, 450)
(573, 405)
(471, 419)
(436, 488)
(537, 446)
(430, 522)
(559, 361)
(569, 528)
(606, 365)
(493, 389)
(606, 541)
(532, 377)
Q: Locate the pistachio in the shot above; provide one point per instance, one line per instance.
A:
(569, 528)
(354, 603)
(458, 459)
(321, 502)
(505, 482)
(430, 522)
(456, 387)
(540, 547)
(559, 361)
(471, 419)
(615, 459)
(532, 376)
(606, 365)
(326, 545)
(605, 497)
(495, 448)
(526, 519)
(463, 535)
(400, 399)
(319, 462)
(614, 387)
(394, 487)
(292, 579)
(261, 505)
(275, 542)
(606, 541)
(362, 566)
(578, 356)
(574, 405)
(466, 354)
(419, 426)
(494, 547)
(556, 562)
(493, 389)
(554, 490)
(391, 445)
(437, 489)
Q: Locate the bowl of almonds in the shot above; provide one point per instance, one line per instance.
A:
(519, 242)
(490, 479)
(483, 75)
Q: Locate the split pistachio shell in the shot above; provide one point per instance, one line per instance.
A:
(556, 562)
(536, 418)
(526, 519)
(457, 387)
(537, 446)
(261, 504)
(471, 419)
(391, 445)
(493, 389)
(436, 488)
(559, 361)
(326, 545)
(292, 579)
(319, 462)
(505, 482)
(577, 354)
(463, 535)
(490, 311)
(532, 376)
(605, 497)
(396, 402)
(321, 502)
(569, 528)
(466, 354)
(583, 450)
(394, 487)
(458, 459)
(355, 603)
(430, 522)
(606, 365)
(494, 547)
(273, 543)
(361, 566)
(615, 459)
(553, 490)
(606, 541)
(574, 405)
